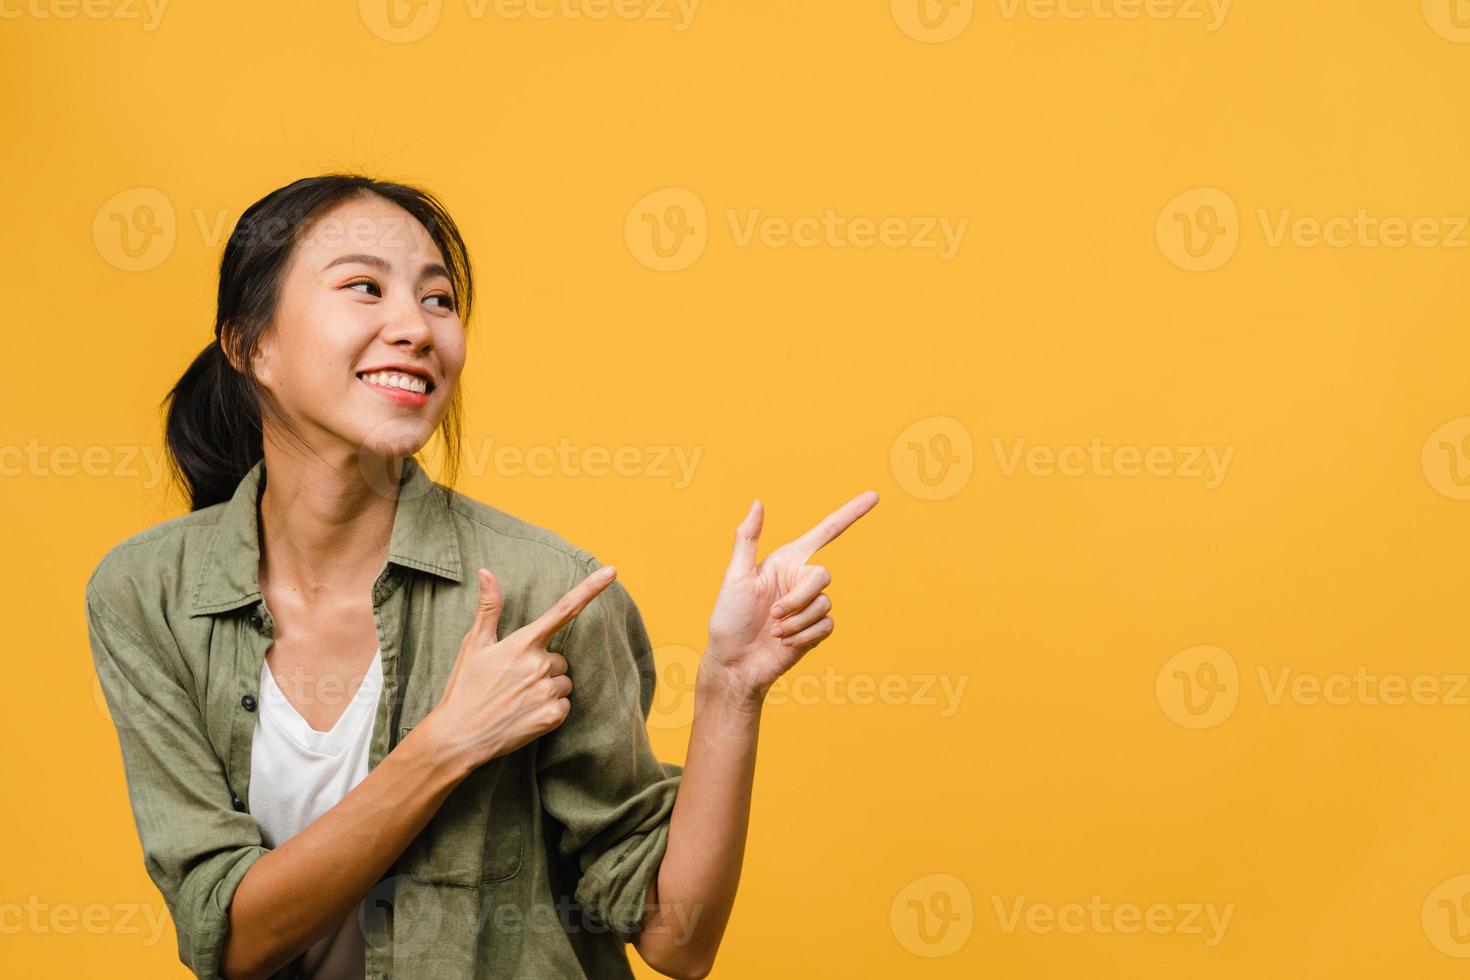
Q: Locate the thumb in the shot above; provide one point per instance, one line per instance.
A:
(487, 608)
(747, 539)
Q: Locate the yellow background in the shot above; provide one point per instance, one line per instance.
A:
(1074, 765)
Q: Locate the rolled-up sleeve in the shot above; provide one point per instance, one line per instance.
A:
(196, 846)
(597, 772)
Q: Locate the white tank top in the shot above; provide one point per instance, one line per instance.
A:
(298, 773)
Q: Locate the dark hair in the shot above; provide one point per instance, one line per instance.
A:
(213, 432)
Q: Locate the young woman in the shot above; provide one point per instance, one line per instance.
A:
(372, 727)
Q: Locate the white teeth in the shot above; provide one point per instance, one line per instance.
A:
(389, 379)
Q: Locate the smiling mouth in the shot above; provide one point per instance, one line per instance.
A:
(395, 381)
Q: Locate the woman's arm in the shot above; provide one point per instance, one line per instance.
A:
(241, 909)
(694, 893)
(766, 619)
(295, 893)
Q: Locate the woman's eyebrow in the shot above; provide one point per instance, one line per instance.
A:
(429, 270)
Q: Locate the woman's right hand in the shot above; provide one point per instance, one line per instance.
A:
(501, 694)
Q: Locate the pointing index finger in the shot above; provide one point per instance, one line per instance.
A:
(569, 605)
(836, 522)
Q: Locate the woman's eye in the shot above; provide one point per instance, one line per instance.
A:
(447, 301)
(364, 282)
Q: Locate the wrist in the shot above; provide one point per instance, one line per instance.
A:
(726, 685)
(438, 753)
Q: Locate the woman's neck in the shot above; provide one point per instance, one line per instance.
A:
(325, 526)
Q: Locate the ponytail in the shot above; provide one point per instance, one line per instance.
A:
(213, 428)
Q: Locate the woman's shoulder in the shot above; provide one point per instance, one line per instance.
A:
(495, 532)
(156, 560)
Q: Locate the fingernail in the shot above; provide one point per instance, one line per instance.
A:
(777, 611)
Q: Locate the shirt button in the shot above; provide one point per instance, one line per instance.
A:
(236, 802)
(248, 702)
(255, 620)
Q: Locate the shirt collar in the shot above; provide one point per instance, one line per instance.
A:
(423, 538)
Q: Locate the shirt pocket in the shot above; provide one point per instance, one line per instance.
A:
(479, 833)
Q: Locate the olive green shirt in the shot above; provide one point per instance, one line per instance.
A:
(537, 865)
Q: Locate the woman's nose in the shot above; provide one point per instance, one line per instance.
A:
(406, 323)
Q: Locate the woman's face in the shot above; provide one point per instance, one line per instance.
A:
(366, 346)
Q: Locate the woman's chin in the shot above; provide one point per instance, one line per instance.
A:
(396, 436)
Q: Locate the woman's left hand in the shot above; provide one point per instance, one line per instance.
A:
(769, 615)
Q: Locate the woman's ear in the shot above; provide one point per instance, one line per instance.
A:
(261, 358)
(227, 344)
